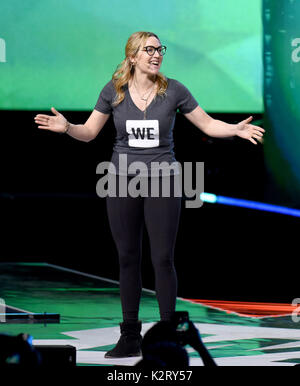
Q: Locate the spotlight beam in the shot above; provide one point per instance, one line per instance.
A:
(215, 199)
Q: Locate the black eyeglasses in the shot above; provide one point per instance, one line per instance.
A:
(151, 50)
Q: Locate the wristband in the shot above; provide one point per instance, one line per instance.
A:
(67, 128)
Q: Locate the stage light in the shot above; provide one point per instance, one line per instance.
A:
(212, 199)
(208, 197)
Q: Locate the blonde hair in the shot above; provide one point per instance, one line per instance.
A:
(125, 69)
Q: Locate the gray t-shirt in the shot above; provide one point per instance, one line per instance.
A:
(150, 140)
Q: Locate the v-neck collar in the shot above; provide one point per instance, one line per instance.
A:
(132, 101)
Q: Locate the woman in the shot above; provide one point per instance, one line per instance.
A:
(144, 104)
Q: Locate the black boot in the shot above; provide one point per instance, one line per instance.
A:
(129, 344)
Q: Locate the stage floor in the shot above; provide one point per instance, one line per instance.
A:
(90, 313)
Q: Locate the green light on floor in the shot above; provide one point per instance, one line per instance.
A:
(85, 289)
(31, 264)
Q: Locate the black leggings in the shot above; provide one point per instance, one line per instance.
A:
(127, 216)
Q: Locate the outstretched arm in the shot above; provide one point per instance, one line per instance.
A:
(219, 129)
(58, 123)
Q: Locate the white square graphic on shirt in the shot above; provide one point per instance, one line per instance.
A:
(143, 133)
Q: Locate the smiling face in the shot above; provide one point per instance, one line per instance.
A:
(145, 63)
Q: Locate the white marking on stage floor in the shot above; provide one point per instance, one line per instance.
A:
(92, 338)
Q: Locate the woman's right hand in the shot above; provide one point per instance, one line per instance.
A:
(57, 123)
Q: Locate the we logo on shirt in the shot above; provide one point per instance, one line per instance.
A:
(143, 133)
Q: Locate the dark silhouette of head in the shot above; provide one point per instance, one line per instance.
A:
(161, 348)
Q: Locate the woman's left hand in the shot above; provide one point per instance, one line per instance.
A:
(250, 132)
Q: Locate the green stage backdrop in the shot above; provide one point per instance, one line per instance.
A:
(282, 98)
(62, 52)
